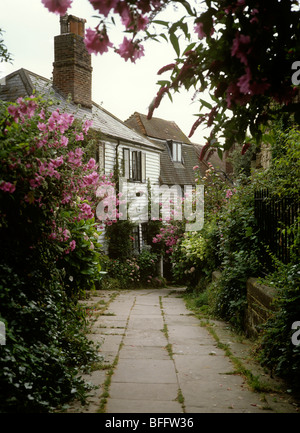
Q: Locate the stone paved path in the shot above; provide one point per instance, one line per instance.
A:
(159, 359)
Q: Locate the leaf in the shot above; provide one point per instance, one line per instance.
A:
(189, 47)
(205, 104)
(175, 43)
(162, 23)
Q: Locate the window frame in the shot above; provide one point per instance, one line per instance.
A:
(134, 165)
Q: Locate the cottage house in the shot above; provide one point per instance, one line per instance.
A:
(178, 157)
(137, 158)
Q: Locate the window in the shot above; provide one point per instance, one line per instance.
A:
(134, 165)
(176, 150)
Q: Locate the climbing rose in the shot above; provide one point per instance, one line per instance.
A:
(57, 6)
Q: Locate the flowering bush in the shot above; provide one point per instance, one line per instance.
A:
(167, 237)
(259, 41)
(188, 258)
(49, 254)
(131, 272)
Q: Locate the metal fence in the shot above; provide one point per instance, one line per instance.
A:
(275, 216)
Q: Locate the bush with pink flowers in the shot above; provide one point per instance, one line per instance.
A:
(49, 254)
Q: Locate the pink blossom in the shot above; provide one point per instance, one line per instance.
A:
(200, 32)
(97, 42)
(72, 245)
(64, 141)
(79, 137)
(241, 47)
(91, 164)
(86, 126)
(91, 179)
(228, 193)
(123, 10)
(36, 182)
(66, 234)
(142, 22)
(244, 82)
(130, 50)
(104, 6)
(86, 211)
(57, 6)
(7, 187)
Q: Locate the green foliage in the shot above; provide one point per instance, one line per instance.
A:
(119, 236)
(82, 267)
(5, 56)
(276, 350)
(188, 258)
(46, 347)
(131, 272)
(46, 231)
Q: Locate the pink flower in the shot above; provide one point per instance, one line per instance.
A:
(64, 141)
(57, 6)
(86, 126)
(97, 42)
(123, 10)
(7, 187)
(130, 50)
(240, 47)
(244, 82)
(142, 22)
(104, 6)
(228, 193)
(79, 137)
(91, 164)
(199, 30)
(73, 245)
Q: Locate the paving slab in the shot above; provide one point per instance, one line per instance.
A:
(142, 406)
(145, 371)
(162, 360)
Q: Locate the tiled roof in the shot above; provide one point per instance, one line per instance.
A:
(104, 121)
(160, 131)
(157, 128)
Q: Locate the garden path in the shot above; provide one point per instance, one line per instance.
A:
(158, 357)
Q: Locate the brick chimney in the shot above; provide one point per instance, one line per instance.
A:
(72, 70)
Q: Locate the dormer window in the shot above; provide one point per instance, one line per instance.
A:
(176, 150)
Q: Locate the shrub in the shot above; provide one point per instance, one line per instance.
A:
(276, 350)
(47, 231)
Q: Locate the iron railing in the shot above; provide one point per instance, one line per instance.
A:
(275, 216)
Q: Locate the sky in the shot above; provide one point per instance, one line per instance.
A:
(120, 87)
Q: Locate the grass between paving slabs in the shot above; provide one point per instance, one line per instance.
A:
(253, 381)
(95, 311)
(110, 370)
(169, 348)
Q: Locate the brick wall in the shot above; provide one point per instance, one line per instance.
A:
(72, 70)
